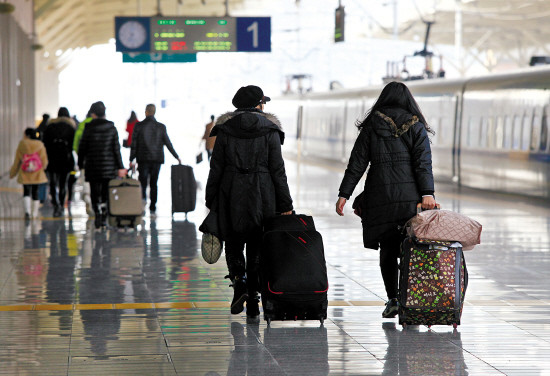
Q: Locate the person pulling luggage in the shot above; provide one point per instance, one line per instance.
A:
(148, 140)
(247, 183)
(99, 155)
(394, 141)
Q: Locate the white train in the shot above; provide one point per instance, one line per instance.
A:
(491, 131)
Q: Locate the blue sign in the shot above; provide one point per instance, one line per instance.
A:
(133, 34)
(158, 58)
(254, 34)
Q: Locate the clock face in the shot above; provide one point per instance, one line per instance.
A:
(132, 34)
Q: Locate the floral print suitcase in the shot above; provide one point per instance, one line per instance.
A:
(432, 282)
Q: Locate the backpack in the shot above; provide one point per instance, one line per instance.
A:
(31, 162)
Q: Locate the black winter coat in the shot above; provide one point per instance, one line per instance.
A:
(247, 181)
(58, 140)
(99, 150)
(396, 146)
(148, 141)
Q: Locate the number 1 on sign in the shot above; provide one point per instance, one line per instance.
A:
(254, 29)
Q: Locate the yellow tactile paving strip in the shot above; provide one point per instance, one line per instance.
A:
(219, 304)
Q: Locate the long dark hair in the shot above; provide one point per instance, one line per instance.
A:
(133, 116)
(395, 94)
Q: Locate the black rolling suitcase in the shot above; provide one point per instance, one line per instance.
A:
(184, 189)
(293, 271)
(432, 282)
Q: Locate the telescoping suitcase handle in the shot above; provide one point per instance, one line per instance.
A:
(420, 210)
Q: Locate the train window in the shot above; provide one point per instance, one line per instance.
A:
(499, 132)
(516, 134)
(469, 130)
(535, 133)
(482, 133)
(507, 132)
(525, 132)
(544, 132)
(442, 131)
(490, 133)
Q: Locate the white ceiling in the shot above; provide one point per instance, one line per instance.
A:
(505, 28)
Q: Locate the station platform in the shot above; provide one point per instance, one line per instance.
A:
(74, 301)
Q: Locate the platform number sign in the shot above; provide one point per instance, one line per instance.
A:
(254, 34)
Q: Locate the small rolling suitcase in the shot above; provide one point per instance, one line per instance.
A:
(184, 189)
(432, 282)
(293, 271)
(125, 208)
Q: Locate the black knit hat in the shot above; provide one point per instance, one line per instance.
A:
(249, 96)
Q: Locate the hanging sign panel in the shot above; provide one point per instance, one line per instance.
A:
(189, 35)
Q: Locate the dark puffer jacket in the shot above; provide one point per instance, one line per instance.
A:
(148, 141)
(99, 150)
(247, 181)
(396, 146)
(58, 140)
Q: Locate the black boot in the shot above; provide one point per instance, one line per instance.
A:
(239, 294)
(252, 306)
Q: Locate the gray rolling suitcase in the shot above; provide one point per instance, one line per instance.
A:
(125, 208)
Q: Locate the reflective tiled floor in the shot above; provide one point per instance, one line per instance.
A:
(77, 302)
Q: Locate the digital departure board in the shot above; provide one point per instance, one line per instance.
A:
(192, 35)
(189, 35)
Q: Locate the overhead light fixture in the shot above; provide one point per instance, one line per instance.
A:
(58, 52)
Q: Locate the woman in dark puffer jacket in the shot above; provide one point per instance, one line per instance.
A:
(99, 155)
(394, 141)
(247, 183)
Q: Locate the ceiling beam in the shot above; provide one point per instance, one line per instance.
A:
(44, 8)
(63, 27)
(51, 18)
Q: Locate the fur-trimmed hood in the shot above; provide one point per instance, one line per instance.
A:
(393, 121)
(63, 119)
(251, 123)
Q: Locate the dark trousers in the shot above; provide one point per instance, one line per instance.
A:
(99, 190)
(30, 190)
(149, 175)
(390, 248)
(236, 264)
(70, 185)
(58, 187)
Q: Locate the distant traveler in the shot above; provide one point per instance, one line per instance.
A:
(148, 141)
(209, 141)
(130, 124)
(58, 139)
(42, 126)
(246, 184)
(99, 156)
(76, 143)
(29, 164)
(394, 141)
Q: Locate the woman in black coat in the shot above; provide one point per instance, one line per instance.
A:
(58, 140)
(246, 184)
(394, 141)
(99, 156)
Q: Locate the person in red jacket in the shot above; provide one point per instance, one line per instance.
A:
(132, 121)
